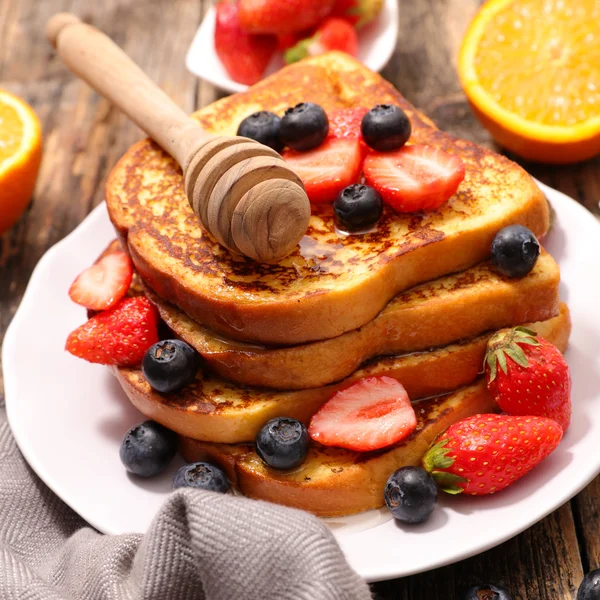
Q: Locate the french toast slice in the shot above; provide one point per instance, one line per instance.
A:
(431, 315)
(216, 410)
(334, 482)
(331, 284)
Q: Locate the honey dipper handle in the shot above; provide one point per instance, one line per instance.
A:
(95, 58)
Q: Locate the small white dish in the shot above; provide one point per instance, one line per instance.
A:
(376, 44)
(68, 417)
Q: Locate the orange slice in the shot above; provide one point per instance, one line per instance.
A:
(20, 155)
(531, 70)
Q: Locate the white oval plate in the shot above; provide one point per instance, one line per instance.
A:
(376, 44)
(69, 416)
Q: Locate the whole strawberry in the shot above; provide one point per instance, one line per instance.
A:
(244, 56)
(527, 375)
(119, 336)
(333, 34)
(357, 12)
(484, 454)
(282, 16)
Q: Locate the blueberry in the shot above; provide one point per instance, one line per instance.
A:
(201, 476)
(486, 591)
(590, 586)
(282, 443)
(304, 126)
(386, 127)
(148, 448)
(358, 207)
(411, 494)
(170, 365)
(515, 251)
(262, 126)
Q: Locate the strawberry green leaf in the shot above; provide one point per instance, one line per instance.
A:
(502, 361)
(448, 482)
(436, 457)
(516, 353)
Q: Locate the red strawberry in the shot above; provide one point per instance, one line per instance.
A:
(287, 40)
(244, 56)
(327, 169)
(370, 414)
(282, 16)
(333, 34)
(357, 12)
(103, 284)
(119, 336)
(527, 375)
(414, 177)
(484, 454)
(346, 122)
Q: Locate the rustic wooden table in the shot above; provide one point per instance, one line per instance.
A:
(84, 137)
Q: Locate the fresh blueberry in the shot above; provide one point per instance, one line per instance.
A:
(262, 126)
(304, 126)
(386, 127)
(590, 586)
(515, 251)
(282, 443)
(486, 591)
(201, 476)
(170, 365)
(411, 494)
(148, 448)
(358, 207)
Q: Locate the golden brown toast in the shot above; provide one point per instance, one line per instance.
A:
(215, 410)
(330, 284)
(334, 482)
(431, 315)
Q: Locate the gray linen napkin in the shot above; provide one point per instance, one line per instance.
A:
(200, 546)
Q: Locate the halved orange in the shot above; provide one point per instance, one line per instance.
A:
(20, 156)
(531, 71)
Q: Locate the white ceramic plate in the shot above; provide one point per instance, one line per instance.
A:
(68, 417)
(376, 44)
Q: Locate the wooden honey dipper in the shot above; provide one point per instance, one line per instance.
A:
(244, 194)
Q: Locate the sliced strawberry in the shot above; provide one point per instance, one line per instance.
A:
(370, 414)
(333, 34)
(119, 336)
(328, 169)
(103, 284)
(345, 123)
(244, 56)
(414, 177)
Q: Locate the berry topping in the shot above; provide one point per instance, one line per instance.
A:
(103, 284)
(282, 16)
(386, 127)
(346, 123)
(244, 56)
(590, 586)
(201, 476)
(372, 413)
(262, 126)
(487, 591)
(304, 126)
(148, 448)
(282, 443)
(414, 177)
(484, 454)
(411, 494)
(515, 251)
(528, 375)
(333, 34)
(357, 208)
(119, 336)
(170, 365)
(328, 169)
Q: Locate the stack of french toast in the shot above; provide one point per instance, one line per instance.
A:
(416, 300)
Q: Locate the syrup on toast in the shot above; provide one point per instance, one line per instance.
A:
(216, 410)
(431, 315)
(331, 284)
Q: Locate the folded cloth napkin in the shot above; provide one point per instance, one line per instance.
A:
(201, 545)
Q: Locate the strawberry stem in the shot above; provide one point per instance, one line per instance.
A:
(507, 343)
